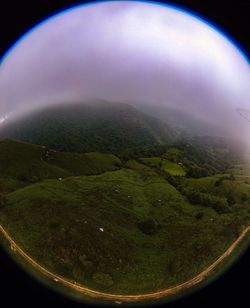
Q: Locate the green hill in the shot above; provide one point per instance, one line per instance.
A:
(108, 225)
(112, 230)
(109, 198)
(29, 163)
(94, 126)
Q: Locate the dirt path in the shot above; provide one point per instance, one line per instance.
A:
(123, 298)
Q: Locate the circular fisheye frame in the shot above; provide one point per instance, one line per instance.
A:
(124, 152)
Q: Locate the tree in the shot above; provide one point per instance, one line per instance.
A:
(219, 204)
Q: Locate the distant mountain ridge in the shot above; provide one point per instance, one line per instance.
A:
(94, 126)
(186, 124)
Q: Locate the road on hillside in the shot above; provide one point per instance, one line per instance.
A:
(119, 298)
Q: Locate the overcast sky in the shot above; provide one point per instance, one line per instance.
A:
(129, 52)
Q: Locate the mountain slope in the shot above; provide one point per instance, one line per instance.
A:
(29, 163)
(187, 124)
(97, 126)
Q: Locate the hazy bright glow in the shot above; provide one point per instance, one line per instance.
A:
(129, 52)
(2, 119)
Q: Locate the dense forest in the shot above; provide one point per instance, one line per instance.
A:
(98, 126)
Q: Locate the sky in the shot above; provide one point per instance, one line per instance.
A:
(128, 51)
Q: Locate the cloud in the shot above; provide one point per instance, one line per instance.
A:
(129, 52)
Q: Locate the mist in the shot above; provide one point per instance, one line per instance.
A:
(129, 52)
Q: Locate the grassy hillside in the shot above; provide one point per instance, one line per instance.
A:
(27, 163)
(132, 227)
(172, 168)
(94, 126)
(116, 229)
(85, 163)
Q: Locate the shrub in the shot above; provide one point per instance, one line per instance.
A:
(103, 279)
(148, 226)
(223, 178)
(23, 177)
(199, 215)
(219, 204)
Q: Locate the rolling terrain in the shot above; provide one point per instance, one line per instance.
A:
(115, 223)
(106, 198)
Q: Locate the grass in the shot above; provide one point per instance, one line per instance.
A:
(86, 163)
(58, 223)
(27, 163)
(172, 168)
(115, 229)
(236, 191)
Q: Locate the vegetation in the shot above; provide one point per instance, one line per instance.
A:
(172, 168)
(90, 127)
(126, 207)
(108, 225)
(23, 163)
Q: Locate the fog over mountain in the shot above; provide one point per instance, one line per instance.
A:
(123, 51)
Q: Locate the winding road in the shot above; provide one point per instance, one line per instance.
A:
(118, 298)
